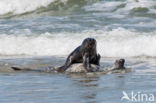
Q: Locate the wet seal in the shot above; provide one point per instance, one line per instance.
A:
(86, 54)
(79, 68)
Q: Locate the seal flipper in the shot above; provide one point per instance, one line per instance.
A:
(47, 70)
(86, 63)
(20, 69)
(16, 68)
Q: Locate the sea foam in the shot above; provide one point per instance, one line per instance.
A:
(116, 43)
(122, 7)
(22, 6)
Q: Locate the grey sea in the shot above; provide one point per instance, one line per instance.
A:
(42, 33)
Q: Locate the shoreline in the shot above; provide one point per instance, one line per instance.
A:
(36, 62)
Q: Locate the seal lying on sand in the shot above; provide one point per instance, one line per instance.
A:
(86, 53)
(79, 68)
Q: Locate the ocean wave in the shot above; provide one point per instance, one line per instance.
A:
(123, 7)
(23, 6)
(127, 4)
(116, 43)
(17, 7)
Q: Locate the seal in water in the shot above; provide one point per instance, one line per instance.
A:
(119, 64)
(86, 53)
(74, 68)
(79, 68)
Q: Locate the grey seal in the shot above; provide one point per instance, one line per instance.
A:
(79, 68)
(86, 53)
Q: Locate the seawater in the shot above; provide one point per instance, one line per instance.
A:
(122, 28)
(37, 87)
(41, 33)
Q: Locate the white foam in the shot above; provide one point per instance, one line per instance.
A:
(116, 43)
(108, 6)
(22, 6)
(103, 6)
(132, 4)
(140, 3)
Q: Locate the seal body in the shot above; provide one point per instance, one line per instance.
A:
(86, 53)
(119, 64)
(74, 68)
(79, 68)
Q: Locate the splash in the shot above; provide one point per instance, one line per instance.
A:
(22, 6)
(116, 43)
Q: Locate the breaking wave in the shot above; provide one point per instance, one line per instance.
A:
(120, 7)
(116, 43)
(23, 6)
